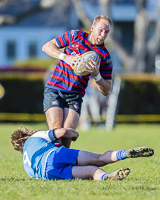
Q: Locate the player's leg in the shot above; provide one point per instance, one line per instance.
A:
(54, 117)
(72, 109)
(62, 165)
(88, 158)
(71, 114)
(66, 159)
(97, 174)
(53, 108)
(71, 119)
(87, 172)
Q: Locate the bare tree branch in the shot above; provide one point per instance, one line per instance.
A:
(143, 53)
(7, 19)
(47, 3)
(105, 6)
(144, 50)
(81, 14)
(140, 35)
(127, 60)
(153, 46)
(2, 2)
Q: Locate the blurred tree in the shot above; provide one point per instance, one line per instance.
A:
(144, 50)
(18, 10)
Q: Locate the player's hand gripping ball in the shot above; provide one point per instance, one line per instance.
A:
(80, 67)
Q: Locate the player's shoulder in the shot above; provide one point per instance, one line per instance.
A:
(77, 32)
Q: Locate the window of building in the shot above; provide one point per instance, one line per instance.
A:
(11, 49)
(32, 49)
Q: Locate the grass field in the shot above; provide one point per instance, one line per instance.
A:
(143, 183)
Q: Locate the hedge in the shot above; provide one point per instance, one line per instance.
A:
(140, 94)
(23, 93)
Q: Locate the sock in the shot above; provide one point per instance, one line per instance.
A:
(121, 154)
(106, 174)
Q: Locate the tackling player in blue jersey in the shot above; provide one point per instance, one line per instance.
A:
(64, 90)
(44, 157)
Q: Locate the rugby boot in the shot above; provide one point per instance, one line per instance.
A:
(139, 152)
(118, 175)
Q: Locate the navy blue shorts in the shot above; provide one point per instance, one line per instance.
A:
(59, 163)
(56, 98)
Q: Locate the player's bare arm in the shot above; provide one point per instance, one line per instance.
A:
(51, 48)
(66, 133)
(104, 86)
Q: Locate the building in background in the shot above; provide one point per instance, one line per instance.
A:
(33, 26)
(29, 24)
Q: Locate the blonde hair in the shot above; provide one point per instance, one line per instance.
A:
(19, 137)
(98, 18)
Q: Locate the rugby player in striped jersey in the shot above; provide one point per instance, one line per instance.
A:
(64, 90)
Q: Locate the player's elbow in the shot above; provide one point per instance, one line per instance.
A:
(105, 93)
(44, 47)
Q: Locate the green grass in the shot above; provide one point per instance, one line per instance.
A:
(143, 183)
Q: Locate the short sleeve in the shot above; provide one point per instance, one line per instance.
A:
(106, 68)
(64, 40)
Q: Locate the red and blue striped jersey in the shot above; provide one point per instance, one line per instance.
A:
(76, 42)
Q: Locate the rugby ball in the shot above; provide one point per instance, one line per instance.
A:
(80, 67)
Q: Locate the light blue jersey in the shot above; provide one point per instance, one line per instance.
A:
(36, 150)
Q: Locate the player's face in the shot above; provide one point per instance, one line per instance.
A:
(99, 32)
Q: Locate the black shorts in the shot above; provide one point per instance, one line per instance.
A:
(56, 98)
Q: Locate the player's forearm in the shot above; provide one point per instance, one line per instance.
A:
(59, 132)
(66, 133)
(51, 49)
(104, 86)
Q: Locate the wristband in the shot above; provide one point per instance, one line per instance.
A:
(98, 77)
(54, 134)
(61, 56)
